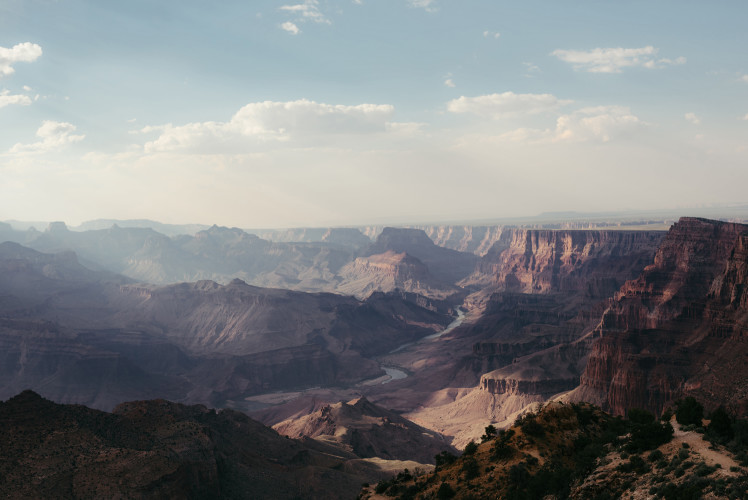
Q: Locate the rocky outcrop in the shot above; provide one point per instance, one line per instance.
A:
(473, 239)
(678, 329)
(388, 271)
(448, 266)
(159, 449)
(368, 430)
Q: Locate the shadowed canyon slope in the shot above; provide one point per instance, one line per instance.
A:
(159, 449)
(81, 336)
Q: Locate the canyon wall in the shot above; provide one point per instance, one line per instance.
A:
(680, 328)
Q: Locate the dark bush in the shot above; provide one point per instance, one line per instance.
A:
(470, 468)
(720, 427)
(443, 459)
(470, 448)
(638, 416)
(655, 456)
(445, 492)
(649, 436)
(689, 411)
(489, 433)
(531, 427)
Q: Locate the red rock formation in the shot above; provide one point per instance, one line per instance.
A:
(595, 263)
(680, 328)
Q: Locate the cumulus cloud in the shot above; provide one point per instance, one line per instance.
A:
(53, 135)
(590, 124)
(6, 99)
(613, 60)
(598, 123)
(22, 52)
(290, 27)
(491, 34)
(306, 11)
(273, 121)
(506, 104)
(692, 118)
(449, 83)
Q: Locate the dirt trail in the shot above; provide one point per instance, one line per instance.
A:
(697, 444)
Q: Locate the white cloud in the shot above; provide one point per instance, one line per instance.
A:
(744, 78)
(590, 124)
(53, 135)
(290, 27)
(599, 123)
(6, 98)
(22, 52)
(745, 117)
(306, 11)
(449, 83)
(424, 4)
(273, 121)
(506, 104)
(613, 60)
(692, 118)
(491, 34)
(531, 69)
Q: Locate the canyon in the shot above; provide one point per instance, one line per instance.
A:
(343, 339)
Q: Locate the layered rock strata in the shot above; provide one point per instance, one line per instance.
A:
(680, 328)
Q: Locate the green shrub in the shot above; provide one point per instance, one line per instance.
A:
(470, 448)
(489, 433)
(443, 459)
(445, 492)
(720, 426)
(689, 411)
(655, 456)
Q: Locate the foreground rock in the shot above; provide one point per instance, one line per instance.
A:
(368, 431)
(159, 449)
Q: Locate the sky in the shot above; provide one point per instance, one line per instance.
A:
(347, 112)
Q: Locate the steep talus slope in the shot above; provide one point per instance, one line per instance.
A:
(680, 328)
(368, 430)
(159, 449)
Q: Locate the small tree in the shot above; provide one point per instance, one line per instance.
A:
(489, 433)
(470, 448)
(689, 411)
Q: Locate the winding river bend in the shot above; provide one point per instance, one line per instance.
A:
(398, 374)
(454, 324)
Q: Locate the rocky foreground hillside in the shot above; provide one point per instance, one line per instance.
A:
(159, 449)
(578, 451)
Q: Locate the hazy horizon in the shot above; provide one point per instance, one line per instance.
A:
(316, 113)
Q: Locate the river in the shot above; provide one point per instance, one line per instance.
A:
(396, 373)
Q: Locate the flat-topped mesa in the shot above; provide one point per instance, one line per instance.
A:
(594, 262)
(678, 329)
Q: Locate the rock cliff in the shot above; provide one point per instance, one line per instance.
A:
(680, 328)
(594, 263)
